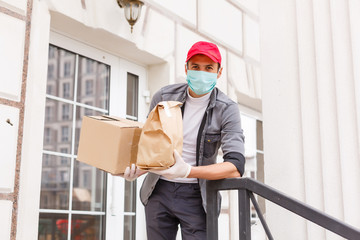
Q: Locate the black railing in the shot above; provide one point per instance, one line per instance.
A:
(246, 187)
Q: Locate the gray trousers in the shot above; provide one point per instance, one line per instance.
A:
(172, 204)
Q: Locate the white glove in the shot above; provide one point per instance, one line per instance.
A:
(133, 173)
(180, 169)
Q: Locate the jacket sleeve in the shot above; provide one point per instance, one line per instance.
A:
(232, 137)
(155, 100)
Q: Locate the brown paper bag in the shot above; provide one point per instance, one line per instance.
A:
(161, 134)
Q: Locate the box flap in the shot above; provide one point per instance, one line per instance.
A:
(121, 122)
(102, 117)
(125, 122)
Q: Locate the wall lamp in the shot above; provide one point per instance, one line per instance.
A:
(132, 10)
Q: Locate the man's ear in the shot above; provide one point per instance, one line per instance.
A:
(220, 72)
(186, 68)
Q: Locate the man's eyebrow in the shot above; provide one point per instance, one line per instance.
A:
(207, 65)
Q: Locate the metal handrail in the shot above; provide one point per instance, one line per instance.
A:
(246, 187)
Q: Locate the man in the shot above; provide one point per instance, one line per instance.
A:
(210, 119)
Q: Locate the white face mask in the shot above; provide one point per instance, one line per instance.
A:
(201, 82)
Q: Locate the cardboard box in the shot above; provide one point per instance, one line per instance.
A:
(109, 143)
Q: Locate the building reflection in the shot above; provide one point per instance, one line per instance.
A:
(76, 86)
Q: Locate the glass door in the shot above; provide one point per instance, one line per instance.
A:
(73, 194)
(79, 201)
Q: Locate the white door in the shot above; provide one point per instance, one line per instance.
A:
(79, 201)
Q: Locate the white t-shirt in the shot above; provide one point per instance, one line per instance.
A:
(193, 114)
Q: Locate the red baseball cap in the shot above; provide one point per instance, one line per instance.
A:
(205, 48)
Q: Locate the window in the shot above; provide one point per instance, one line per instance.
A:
(64, 160)
(47, 134)
(49, 89)
(46, 161)
(63, 199)
(64, 176)
(132, 96)
(50, 71)
(45, 200)
(80, 200)
(48, 113)
(89, 66)
(64, 133)
(86, 179)
(52, 51)
(72, 193)
(67, 69)
(88, 111)
(106, 83)
(65, 111)
(89, 87)
(66, 90)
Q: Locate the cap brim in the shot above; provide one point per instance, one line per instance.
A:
(202, 53)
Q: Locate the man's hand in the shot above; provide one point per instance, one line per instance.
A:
(132, 173)
(179, 170)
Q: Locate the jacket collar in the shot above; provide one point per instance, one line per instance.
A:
(212, 97)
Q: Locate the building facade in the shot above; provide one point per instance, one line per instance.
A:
(61, 60)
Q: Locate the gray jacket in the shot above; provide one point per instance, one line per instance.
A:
(220, 127)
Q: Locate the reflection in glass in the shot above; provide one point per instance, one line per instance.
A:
(58, 125)
(60, 171)
(55, 182)
(93, 83)
(87, 227)
(130, 202)
(61, 73)
(130, 207)
(129, 227)
(53, 226)
(89, 188)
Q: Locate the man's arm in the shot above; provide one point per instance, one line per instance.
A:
(215, 171)
(181, 169)
(232, 138)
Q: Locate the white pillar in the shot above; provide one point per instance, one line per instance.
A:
(346, 109)
(354, 10)
(31, 159)
(284, 169)
(330, 156)
(310, 57)
(309, 113)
